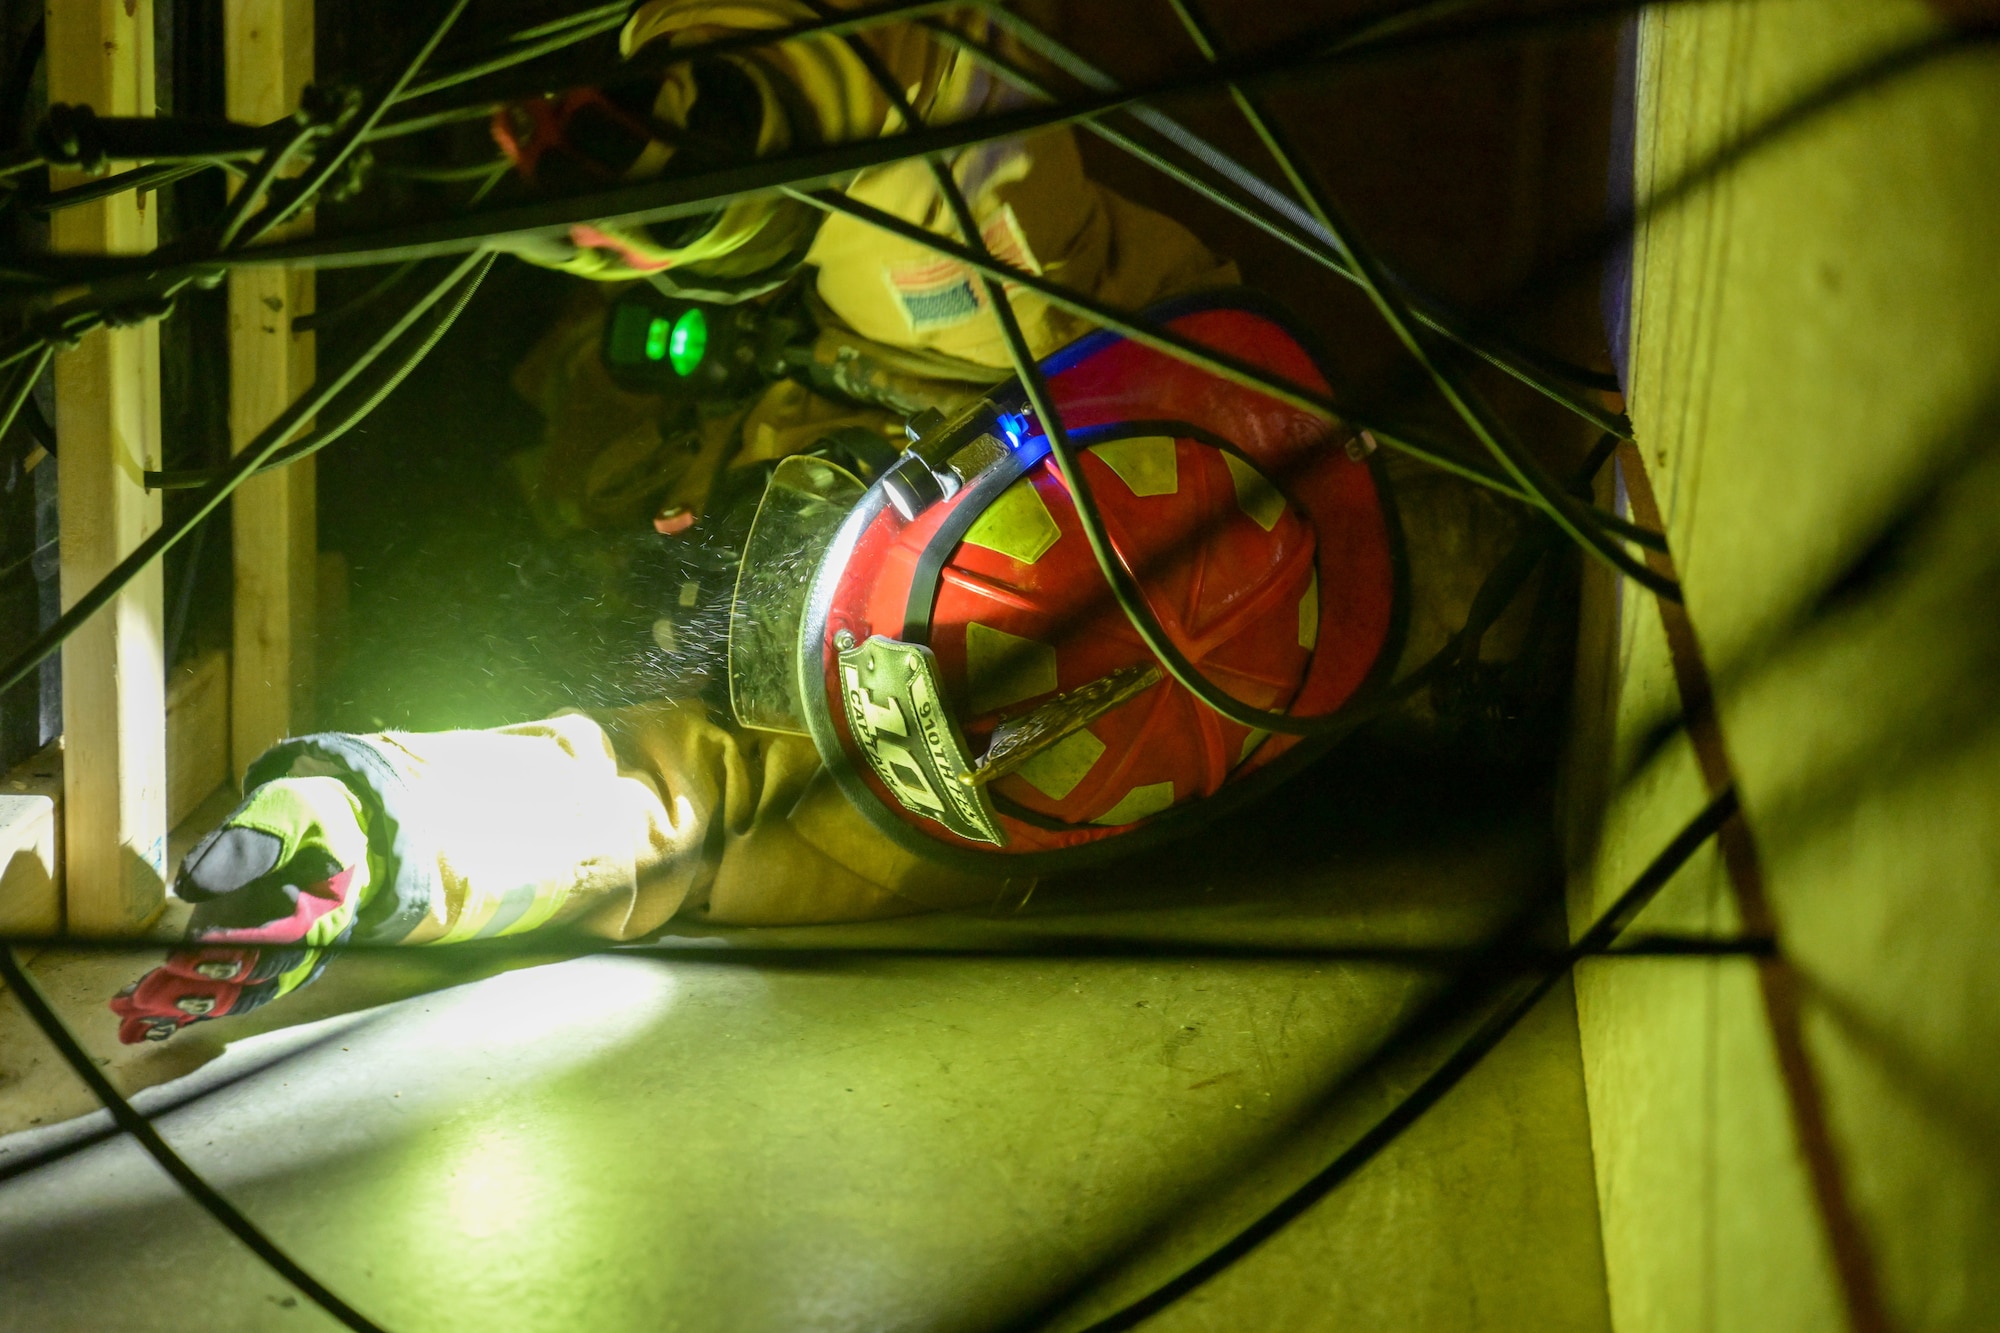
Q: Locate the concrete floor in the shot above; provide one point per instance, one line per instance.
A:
(635, 1142)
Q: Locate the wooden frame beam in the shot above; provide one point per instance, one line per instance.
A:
(268, 55)
(100, 54)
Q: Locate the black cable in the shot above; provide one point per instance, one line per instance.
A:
(1597, 941)
(520, 52)
(79, 138)
(582, 27)
(152, 295)
(578, 29)
(252, 456)
(31, 345)
(470, 47)
(1533, 366)
(1486, 425)
(319, 321)
(669, 198)
(166, 270)
(1122, 583)
(1082, 948)
(240, 227)
(1425, 1095)
(620, 7)
(1616, 527)
(240, 230)
(1216, 362)
(23, 388)
(29, 992)
(139, 178)
(1029, 945)
(532, 43)
(274, 161)
(343, 417)
(326, 164)
(443, 175)
(447, 237)
(645, 203)
(273, 249)
(12, 1167)
(658, 57)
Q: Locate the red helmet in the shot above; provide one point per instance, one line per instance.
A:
(959, 659)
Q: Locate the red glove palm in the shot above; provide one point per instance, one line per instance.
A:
(197, 984)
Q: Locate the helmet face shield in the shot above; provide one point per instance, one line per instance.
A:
(803, 507)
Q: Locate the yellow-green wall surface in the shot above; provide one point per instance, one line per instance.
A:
(1815, 376)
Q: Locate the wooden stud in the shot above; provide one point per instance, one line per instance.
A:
(268, 51)
(31, 845)
(100, 54)
(197, 734)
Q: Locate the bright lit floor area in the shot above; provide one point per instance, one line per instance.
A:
(872, 1139)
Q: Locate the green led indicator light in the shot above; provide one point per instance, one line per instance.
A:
(688, 343)
(656, 340)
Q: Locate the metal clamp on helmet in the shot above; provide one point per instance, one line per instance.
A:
(947, 454)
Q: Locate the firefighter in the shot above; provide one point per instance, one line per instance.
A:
(615, 823)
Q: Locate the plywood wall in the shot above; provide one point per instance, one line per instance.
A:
(1814, 385)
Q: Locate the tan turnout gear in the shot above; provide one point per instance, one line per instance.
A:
(619, 822)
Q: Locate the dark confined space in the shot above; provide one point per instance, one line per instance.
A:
(1468, 174)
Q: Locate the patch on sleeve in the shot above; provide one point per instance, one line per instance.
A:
(943, 293)
(935, 294)
(1007, 242)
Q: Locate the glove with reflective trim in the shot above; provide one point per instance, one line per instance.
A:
(286, 874)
